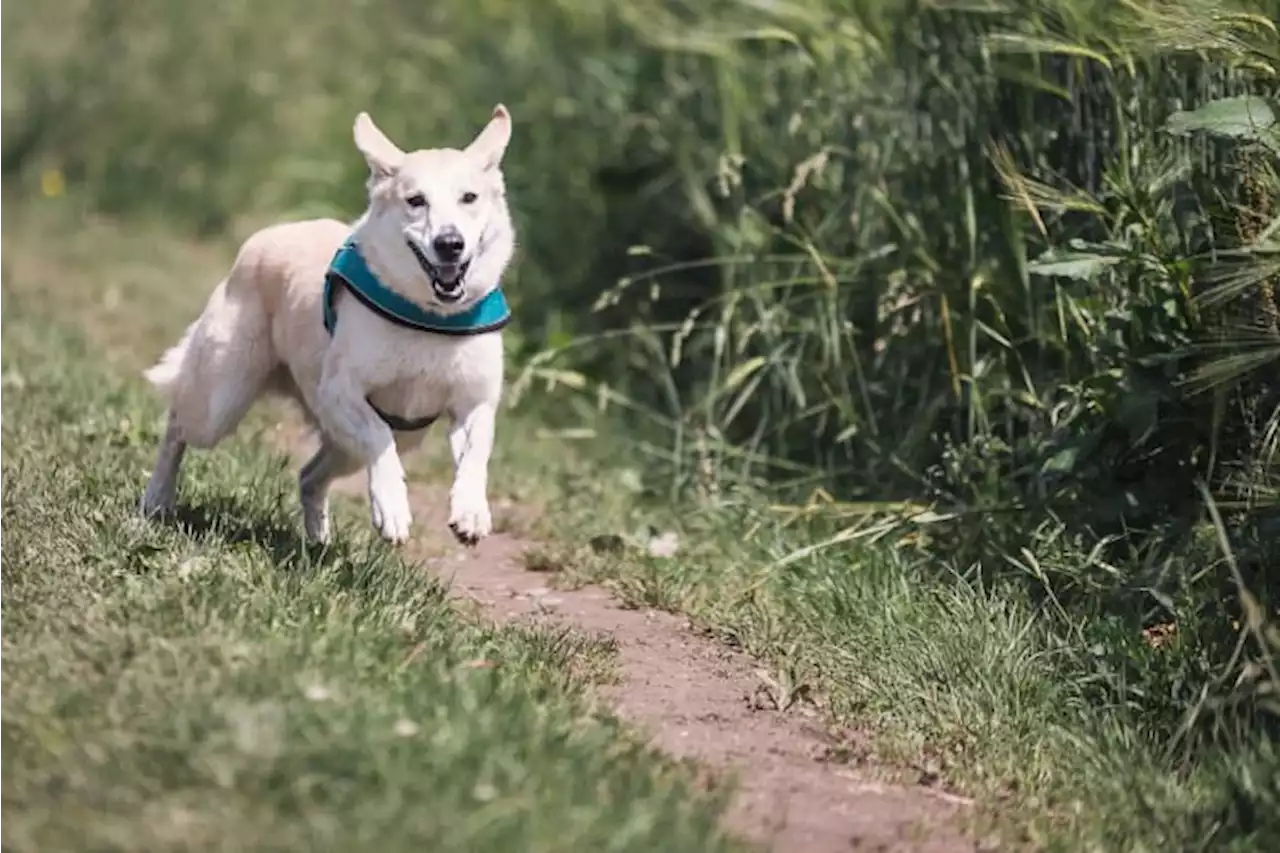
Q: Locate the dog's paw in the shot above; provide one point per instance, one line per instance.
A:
(315, 520)
(469, 517)
(157, 502)
(389, 506)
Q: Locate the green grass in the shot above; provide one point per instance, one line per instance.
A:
(216, 686)
(1059, 724)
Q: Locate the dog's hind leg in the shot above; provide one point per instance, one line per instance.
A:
(162, 489)
(329, 463)
(227, 363)
(211, 377)
(224, 359)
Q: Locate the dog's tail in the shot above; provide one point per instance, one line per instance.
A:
(165, 372)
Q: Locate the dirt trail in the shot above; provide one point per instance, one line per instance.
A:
(695, 699)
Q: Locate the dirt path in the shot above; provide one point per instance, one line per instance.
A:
(695, 699)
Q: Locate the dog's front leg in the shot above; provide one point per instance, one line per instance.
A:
(346, 417)
(471, 440)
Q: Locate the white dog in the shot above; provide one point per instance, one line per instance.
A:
(376, 329)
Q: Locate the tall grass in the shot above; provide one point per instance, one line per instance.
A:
(996, 277)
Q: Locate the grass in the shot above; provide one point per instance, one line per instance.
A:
(1051, 723)
(216, 686)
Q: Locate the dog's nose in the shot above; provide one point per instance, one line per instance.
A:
(449, 245)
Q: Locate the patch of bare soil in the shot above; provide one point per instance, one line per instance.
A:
(797, 789)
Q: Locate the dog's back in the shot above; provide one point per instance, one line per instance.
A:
(285, 263)
(266, 311)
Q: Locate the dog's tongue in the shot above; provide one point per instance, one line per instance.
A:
(448, 274)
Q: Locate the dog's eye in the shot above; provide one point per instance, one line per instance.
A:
(468, 198)
(416, 200)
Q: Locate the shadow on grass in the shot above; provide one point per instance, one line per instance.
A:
(351, 563)
(236, 522)
(232, 520)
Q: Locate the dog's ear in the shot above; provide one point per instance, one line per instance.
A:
(383, 156)
(491, 143)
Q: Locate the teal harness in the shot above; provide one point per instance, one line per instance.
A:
(348, 269)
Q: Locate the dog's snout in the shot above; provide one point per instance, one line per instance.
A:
(449, 245)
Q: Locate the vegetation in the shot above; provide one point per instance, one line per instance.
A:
(951, 329)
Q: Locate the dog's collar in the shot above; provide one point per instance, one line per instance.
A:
(349, 268)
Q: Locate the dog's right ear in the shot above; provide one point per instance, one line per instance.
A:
(382, 155)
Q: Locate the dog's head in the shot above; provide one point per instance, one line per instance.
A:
(438, 217)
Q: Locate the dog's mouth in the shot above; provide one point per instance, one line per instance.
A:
(448, 281)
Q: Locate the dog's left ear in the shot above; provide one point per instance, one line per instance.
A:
(491, 143)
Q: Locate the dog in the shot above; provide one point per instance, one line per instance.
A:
(375, 328)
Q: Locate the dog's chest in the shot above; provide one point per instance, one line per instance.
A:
(429, 376)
